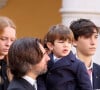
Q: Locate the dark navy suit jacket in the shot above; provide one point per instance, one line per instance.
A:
(96, 76)
(20, 84)
(69, 73)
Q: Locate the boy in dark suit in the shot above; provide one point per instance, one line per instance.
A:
(86, 39)
(27, 60)
(65, 71)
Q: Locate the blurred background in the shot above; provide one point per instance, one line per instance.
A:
(32, 17)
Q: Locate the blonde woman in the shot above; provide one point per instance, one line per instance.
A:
(7, 37)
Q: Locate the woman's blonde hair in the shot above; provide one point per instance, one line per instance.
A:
(4, 22)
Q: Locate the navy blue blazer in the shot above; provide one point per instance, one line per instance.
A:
(96, 76)
(69, 73)
(20, 84)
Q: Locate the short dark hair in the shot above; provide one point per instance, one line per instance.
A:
(23, 53)
(60, 32)
(83, 27)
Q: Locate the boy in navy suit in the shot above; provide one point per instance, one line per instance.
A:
(65, 71)
(86, 39)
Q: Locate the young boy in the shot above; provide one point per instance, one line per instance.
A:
(86, 39)
(65, 71)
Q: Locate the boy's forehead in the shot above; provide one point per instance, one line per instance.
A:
(62, 39)
(88, 31)
(89, 34)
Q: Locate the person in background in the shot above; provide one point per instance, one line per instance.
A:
(27, 59)
(7, 37)
(65, 71)
(85, 41)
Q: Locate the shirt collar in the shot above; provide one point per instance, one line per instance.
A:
(55, 58)
(91, 65)
(30, 80)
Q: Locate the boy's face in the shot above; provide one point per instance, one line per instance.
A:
(61, 48)
(87, 45)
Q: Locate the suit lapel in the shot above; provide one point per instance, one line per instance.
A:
(26, 84)
(96, 75)
(65, 61)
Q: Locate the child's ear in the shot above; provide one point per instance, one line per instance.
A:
(50, 45)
